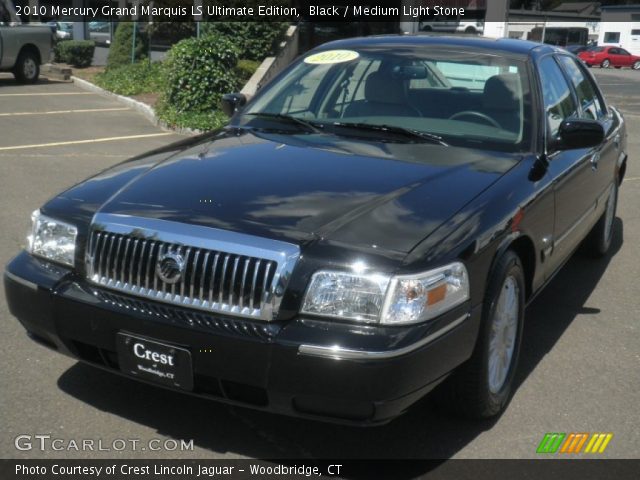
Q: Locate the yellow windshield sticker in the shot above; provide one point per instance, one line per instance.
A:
(331, 56)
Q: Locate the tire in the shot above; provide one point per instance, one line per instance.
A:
(470, 30)
(605, 63)
(636, 65)
(599, 239)
(475, 390)
(27, 68)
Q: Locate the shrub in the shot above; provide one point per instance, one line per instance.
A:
(198, 72)
(120, 50)
(78, 53)
(245, 69)
(132, 79)
(255, 40)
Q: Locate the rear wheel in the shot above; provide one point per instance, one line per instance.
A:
(599, 239)
(605, 63)
(27, 68)
(481, 388)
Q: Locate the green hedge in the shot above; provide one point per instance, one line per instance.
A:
(198, 72)
(132, 79)
(244, 70)
(120, 50)
(255, 40)
(78, 53)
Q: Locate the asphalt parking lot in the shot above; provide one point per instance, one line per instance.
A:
(578, 372)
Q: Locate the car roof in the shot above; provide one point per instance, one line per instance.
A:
(495, 45)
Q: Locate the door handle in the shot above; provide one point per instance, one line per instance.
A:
(595, 158)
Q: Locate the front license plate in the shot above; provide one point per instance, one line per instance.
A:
(155, 361)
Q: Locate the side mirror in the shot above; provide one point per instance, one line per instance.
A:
(579, 133)
(232, 102)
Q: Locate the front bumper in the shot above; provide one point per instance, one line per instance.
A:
(302, 367)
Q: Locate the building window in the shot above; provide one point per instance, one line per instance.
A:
(635, 31)
(611, 37)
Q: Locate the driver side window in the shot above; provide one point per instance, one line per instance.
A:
(559, 103)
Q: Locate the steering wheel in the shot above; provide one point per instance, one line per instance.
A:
(478, 115)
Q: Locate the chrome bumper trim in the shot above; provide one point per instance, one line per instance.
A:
(338, 353)
(21, 281)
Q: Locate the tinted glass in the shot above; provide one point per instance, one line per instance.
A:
(558, 101)
(469, 99)
(585, 89)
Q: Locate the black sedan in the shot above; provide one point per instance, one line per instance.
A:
(370, 226)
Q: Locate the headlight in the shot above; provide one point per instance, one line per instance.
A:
(346, 295)
(416, 298)
(397, 300)
(52, 239)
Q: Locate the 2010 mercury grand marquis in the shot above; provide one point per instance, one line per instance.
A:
(369, 226)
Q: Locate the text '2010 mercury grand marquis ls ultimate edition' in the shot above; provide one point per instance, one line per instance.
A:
(368, 227)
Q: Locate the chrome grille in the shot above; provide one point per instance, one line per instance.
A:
(222, 271)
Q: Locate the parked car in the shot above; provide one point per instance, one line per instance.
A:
(100, 32)
(576, 49)
(23, 48)
(62, 30)
(453, 25)
(607, 57)
(369, 226)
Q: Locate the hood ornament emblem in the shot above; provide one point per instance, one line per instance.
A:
(170, 267)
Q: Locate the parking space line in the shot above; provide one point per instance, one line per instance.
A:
(79, 142)
(50, 94)
(57, 112)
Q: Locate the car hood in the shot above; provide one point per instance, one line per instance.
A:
(302, 188)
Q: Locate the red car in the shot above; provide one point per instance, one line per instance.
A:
(610, 56)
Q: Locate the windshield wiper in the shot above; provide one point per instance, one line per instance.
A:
(407, 132)
(288, 118)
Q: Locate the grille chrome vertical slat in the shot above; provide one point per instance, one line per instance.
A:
(203, 274)
(254, 283)
(155, 277)
(213, 277)
(226, 272)
(224, 276)
(194, 268)
(140, 263)
(94, 254)
(244, 281)
(232, 284)
(265, 291)
(123, 272)
(132, 264)
(107, 260)
(114, 274)
(147, 279)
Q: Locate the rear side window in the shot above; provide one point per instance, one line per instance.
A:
(558, 100)
(586, 92)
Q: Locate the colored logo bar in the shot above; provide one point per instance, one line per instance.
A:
(574, 443)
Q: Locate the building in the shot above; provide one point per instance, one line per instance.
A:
(620, 26)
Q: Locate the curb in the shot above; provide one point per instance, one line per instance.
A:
(147, 111)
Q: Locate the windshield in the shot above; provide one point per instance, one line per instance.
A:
(465, 98)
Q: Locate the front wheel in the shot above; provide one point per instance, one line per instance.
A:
(27, 68)
(605, 63)
(636, 65)
(481, 388)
